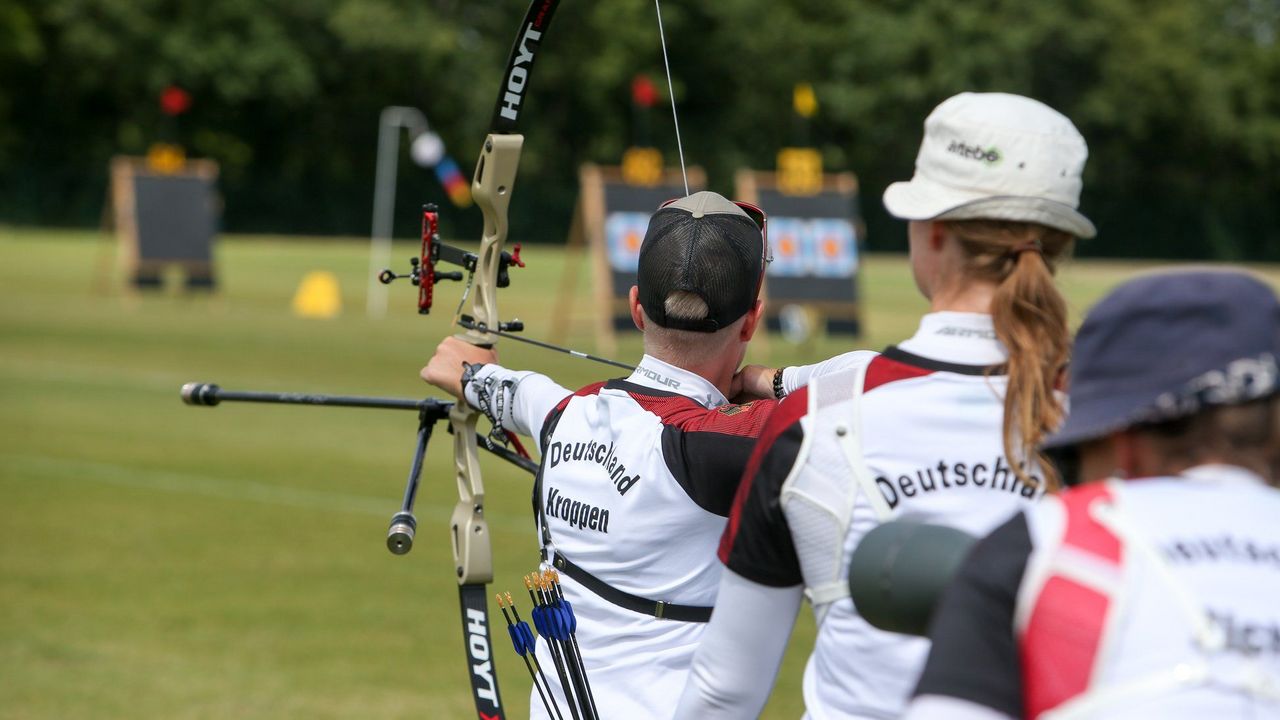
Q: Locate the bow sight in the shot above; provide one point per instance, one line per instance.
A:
(424, 275)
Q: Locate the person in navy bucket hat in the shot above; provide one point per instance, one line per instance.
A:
(1149, 590)
(1167, 345)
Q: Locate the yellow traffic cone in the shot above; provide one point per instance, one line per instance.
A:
(318, 296)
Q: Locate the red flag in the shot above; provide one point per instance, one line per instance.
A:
(174, 100)
(643, 92)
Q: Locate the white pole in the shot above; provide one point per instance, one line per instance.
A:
(384, 197)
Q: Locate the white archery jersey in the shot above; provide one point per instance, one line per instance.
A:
(637, 478)
(901, 435)
(1202, 550)
(1173, 613)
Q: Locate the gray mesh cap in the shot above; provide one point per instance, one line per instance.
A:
(706, 245)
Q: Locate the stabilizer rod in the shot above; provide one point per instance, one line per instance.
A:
(210, 394)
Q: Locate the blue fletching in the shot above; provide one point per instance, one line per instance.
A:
(559, 622)
(527, 637)
(514, 631)
(573, 619)
(540, 621)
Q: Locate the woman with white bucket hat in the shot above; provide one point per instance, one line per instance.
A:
(940, 428)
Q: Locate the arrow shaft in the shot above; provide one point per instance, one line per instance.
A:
(481, 328)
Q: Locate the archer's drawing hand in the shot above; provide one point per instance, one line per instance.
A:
(752, 382)
(444, 370)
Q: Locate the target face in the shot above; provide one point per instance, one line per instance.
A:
(820, 247)
(833, 251)
(787, 239)
(624, 233)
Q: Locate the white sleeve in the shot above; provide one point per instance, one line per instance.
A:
(519, 399)
(794, 378)
(942, 707)
(738, 656)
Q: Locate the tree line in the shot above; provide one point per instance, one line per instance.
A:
(1179, 101)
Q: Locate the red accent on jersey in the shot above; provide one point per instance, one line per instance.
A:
(592, 389)
(1064, 633)
(1085, 533)
(688, 415)
(785, 414)
(882, 371)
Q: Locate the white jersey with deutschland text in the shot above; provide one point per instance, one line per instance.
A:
(915, 433)
(637, 477)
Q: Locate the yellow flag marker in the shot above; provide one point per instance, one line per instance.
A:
(318, 296)
(799, 171)
(166, 159)
(804, 100)
(642, 166)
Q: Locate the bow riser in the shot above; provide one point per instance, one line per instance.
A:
(491, 188)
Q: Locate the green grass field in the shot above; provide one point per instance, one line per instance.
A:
(164, 561)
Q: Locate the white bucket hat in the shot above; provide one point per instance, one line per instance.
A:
(1000, 157)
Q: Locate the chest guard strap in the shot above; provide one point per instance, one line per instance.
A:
(1064, 631)
(825, 391)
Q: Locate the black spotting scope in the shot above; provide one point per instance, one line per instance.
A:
(898, 571)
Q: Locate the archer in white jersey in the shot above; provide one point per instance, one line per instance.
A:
(637, 475)
(636, 481)
(1156, 596)
(941, 428)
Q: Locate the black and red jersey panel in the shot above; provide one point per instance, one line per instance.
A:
(757, 542)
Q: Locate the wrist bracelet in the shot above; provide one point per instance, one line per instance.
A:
(778, 391)
(469, 371)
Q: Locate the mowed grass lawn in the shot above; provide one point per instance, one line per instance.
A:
(163, 561)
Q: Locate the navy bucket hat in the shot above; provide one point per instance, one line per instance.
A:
(1167, 345)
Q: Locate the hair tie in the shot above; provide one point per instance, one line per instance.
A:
(1026, 246)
